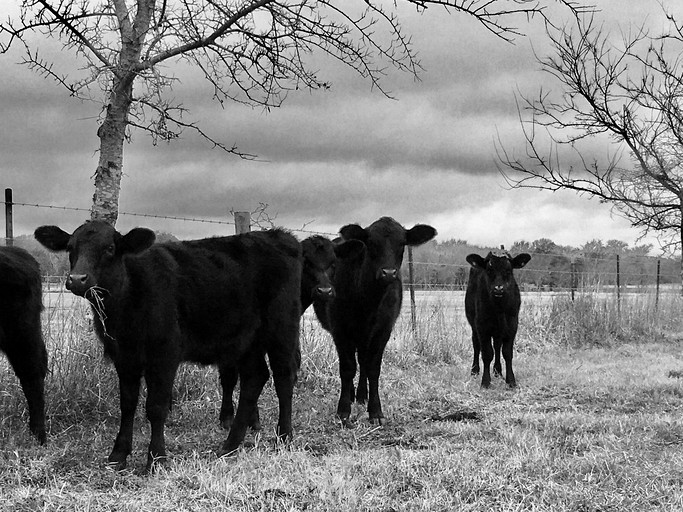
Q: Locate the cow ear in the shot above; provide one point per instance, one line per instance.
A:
(353, 232)
(419, 234)
(476, 261)
(136, 240)
(520, 260)
(52, 237)
(349, 248)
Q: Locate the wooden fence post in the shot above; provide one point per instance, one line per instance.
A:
(572, 277)
(242, 222)
(9, 227)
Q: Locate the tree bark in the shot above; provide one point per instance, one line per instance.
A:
(680, 233)
(112, 134)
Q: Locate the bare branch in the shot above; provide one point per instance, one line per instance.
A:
(629, 92)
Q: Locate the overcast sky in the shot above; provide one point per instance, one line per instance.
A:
(326, 158)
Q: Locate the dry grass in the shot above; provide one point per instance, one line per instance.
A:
(594, 425)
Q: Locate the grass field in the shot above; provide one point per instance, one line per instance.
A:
(595, 424)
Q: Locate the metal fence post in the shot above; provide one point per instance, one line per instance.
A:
(9, 227)
(572, 271)
(618, 288)
(659, 264)
(411, 287)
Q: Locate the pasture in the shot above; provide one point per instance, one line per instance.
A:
(596, 422)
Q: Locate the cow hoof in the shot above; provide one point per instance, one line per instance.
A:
(40, 435)
(256, 425)
(117, 461)
(226, 423)
(512, 385)
(116, 466)
(485, 385)
(380, 422)
(227, 452)
(347, 423)
(474, 371)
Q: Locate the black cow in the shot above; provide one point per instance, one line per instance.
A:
(367, 303)
(21, 338)
(492, 304)
(227, 301)
(318, 257)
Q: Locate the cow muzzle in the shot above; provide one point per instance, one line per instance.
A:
(78, 284)
(387, 275)
(498, 291)
(323, 293)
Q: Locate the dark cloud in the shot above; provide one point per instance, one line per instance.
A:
(326, 157)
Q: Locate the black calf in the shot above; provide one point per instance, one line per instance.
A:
(492, 303)
(228, 301)
(21, 338)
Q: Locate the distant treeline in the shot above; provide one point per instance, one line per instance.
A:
(551, 267)
(57, 264)
(443, 264)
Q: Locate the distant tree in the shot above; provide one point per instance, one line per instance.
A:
(641, 250)
(521, 246)
(627, 92)
(544, 246)
(594, 249)
(250, 51)
(162, 236)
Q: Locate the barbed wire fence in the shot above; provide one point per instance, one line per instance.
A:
(577, 273)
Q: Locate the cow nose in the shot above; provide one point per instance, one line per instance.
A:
(324, 291)
(388, 273)
(77, 283)
(498, 289)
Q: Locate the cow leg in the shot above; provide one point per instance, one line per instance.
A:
(253, 374)
(30, 368)
(508, 344)
(362, 389)
(129, 390)
(284, 378)
(159, 379)
(374, 404)
(228, 377)
(507, 355)
(497, 344)
(475, 346)
(487, 357)
(347, 372)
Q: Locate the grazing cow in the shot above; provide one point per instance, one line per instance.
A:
(227, 301)
(367, 303)
(492, 304)
(21, 302)
(318, 257)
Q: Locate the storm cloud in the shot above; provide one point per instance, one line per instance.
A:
(325, 158)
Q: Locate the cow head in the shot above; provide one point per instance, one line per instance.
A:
(319, 257)
(498, 270)
(95, 250)
(385, 240)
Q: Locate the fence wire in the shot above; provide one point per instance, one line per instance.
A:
(590, 275)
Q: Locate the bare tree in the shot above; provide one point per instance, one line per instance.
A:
(250, 51)
(624, 93)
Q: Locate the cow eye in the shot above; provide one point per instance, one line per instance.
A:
(111, 249)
